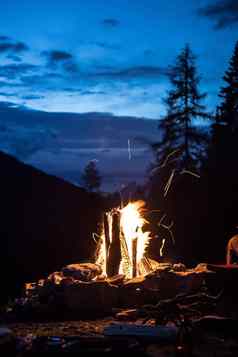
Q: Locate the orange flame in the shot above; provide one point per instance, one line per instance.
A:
(131, 224)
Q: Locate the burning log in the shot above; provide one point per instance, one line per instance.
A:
(107, 239)
(134, 257)
(125, 255)
(124, 240)
(114, 254)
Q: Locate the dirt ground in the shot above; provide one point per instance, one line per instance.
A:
(65, 328)
(205, 345)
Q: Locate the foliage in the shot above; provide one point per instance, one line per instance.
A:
(228, 109)
(91, 177)
(184, 105)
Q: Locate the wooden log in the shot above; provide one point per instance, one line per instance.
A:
(107, 238)
(127, 264)
(134, 257)
(114, 254)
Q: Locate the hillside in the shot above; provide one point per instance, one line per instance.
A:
(45, 223)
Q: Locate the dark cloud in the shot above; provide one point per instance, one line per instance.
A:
(110, 22)
(108, 46)
(10, 46)
(15, 58)
(224, 13)
(44, 80)
(148, 52)
(135, 72)
(13, 71)
(8, 94)
(7, 105)
(62, 59)
(71, 90)
(57, 56)
(83, 92)
(71, 67)
(4, 38)
(32, 97)
(5, 84)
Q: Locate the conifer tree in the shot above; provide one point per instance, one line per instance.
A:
(91, 177)
(224, 134)
(228, 109)
(184, 106)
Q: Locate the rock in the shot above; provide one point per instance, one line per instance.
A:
(55, 278)
(172, 283)
(82, 271)
(67, 281)
(169, 283)
(217, 323)
(116, 279)
(137, 282)
(179, 267)
(202, 267)
(7, 342)
(96, 295)
(150, 281)
(125, 315)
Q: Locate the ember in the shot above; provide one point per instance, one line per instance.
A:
(124, 239)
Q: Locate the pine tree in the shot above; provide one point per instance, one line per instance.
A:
(91, 177)
(179, 132)
(224, 134)
(228, 109)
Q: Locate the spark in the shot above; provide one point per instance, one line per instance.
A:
(168, 184)
(129, 149)
(168, 157)
(162, 247)
(190, 173)
(161, 219)
(95, 237)
(169, 229)
(165, 161)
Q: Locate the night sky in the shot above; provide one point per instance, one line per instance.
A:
(101, 56)
(109, 56)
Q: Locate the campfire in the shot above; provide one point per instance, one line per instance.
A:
(122, 275)
(144, 298)
(123, 243)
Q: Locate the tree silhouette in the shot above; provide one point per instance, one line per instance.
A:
(222, 150)
(228, 109)
(184, 105)
(91, 177)
(221, 169)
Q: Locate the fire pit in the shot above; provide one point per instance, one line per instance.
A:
(122, 276)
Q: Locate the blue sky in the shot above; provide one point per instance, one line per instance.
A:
(109, 55)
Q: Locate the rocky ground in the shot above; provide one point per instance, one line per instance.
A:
(56, 338)
(61, 328)
(203, 324)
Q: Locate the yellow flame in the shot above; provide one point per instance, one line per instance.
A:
(131, 225)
